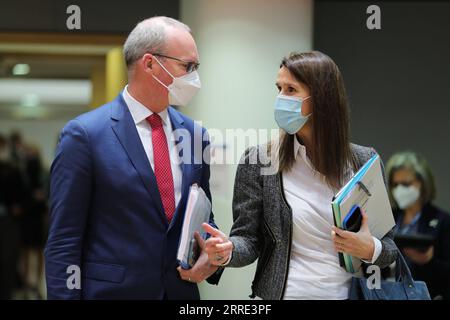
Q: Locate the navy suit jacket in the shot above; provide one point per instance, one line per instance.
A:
(107, 216)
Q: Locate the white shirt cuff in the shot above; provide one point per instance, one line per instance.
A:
(376, 252)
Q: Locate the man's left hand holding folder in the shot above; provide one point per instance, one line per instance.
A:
(202, 269)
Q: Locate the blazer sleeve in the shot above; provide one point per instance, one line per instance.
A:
(389, 250)
(247, 211)
(70, 190)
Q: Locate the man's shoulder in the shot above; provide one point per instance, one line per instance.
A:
(99, 114)
(188, 122)
(93, 120)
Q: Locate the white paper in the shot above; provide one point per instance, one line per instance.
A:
(198, 210)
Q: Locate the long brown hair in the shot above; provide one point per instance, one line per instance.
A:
(331, 154)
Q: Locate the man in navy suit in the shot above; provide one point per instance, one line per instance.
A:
(119, 181)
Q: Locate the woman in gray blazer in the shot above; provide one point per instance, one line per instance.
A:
(282, 194)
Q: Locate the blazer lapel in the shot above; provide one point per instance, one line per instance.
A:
(125, 129)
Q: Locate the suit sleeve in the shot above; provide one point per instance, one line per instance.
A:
(214, 278)
(206, 173)
(70, 190)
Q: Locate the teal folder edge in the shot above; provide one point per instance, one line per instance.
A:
(356, 178)
(344, 259)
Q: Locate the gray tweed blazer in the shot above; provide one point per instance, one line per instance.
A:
(262, 225)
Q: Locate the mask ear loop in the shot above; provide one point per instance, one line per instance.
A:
(303, 99)
(165, 71)
(162, 66)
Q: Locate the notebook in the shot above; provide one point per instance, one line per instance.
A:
(198, 210)
(367, 190)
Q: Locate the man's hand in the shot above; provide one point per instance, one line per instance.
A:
(202, 268)
(358, 244)
(419, 257)
(218, 247)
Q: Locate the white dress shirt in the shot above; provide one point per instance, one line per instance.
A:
(314, 270)
(140, 113)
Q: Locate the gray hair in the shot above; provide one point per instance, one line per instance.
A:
(419, 166)
(149, 36)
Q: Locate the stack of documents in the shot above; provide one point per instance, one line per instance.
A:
(367, 190)
(198, 210)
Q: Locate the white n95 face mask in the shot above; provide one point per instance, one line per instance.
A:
(405, 196)
(182, 89)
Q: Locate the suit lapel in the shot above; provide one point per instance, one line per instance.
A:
(126, 132)
(180, 132)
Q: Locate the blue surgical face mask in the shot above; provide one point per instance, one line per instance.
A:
(288, 113)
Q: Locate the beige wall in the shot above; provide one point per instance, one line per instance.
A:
(241, 44)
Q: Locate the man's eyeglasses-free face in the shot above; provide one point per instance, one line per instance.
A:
(189, 65)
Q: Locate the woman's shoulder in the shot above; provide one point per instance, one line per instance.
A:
(362, 151)
(259, 155)
(434, 211)
(257, 161)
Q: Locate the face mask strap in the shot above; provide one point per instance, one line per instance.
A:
(164, 68)
(160, 82)
(165, 71)
(293, 97)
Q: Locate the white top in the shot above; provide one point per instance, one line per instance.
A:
(314, 270)
(140, 113)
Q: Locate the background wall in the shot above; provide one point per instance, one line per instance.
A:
(241, 44)
(397, 78)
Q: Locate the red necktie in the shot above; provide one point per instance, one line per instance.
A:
(163, 170)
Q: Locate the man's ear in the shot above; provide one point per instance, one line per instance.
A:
(147, 62)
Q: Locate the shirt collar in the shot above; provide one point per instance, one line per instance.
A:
(139, 112)
(300, 150)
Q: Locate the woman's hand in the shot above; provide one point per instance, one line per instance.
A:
(358, 244)
(218, 247)
(419, 257)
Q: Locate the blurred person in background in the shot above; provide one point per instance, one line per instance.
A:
(11, 199)
(17, 151)
(32, 221)
(412, 191)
